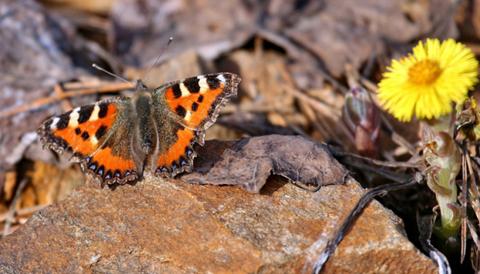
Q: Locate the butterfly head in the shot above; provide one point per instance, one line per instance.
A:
(140, 86)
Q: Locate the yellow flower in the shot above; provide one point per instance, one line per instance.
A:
(426, 82)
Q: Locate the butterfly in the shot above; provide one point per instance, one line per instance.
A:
(116, 140)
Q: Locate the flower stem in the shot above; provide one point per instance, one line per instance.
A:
(443, 160)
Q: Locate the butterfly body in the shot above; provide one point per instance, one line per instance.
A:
(116, 140)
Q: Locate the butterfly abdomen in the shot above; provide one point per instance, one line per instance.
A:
(146, 128)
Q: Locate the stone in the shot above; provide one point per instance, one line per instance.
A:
(170, 226)
(173, 227)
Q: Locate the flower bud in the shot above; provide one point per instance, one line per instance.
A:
(362, 118)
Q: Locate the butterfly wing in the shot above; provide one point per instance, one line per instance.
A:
(183, 110)
(97, 137)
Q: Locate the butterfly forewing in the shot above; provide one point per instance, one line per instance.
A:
(96, 137)
(188, 108)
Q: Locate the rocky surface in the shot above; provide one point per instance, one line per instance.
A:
(169, 226)
(173, 227)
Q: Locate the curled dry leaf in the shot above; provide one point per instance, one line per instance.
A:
(249, 162)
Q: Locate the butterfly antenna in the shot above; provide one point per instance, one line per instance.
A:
(157, 60)
(110, 73)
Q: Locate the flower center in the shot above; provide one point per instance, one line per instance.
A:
(424, 72)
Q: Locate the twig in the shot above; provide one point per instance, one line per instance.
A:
(353, 216)
(58, 91)
(319, 106)
(340, 153)
(473, 188)
(425, 225)
(252, 107)
(474, 234)
(393, 176)
(463, 203)
(12, 208)
(305, 102)
(368, 84)
(23, 211)
(50, 100)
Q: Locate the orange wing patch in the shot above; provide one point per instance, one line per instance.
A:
(81, 129)
(177, 156)
(196, 100)
(111, 167)
(195, 108)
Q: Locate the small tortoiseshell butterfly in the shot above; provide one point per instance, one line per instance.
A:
(116, 139)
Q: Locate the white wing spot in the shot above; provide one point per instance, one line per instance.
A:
(188, 116)
(94, 140)
(94, 116)
(221, 78)
(202, 82)
(184, 90)
(73, 119)
(54, 123)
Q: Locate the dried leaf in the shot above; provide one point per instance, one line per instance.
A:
(249, 162)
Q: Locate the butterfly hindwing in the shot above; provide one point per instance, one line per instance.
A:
(184, 110)
(96, 137)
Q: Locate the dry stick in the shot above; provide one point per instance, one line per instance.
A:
(425, 225)
(368, 84)
(474, 234)
(59, 91)
(316, 105)
(50, 100)
(473, 189)
(288, 88)
(463, 203)
(353, 216)
(12, 208)
(393, 176)
(310, 114)
(340, 153)
(23, 211)
(258, 108)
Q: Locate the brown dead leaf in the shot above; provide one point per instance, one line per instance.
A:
(49, 184)
(184, 65)
(349, 32)
(265, 72)
(249, 162)
(30, 68)
(142, 28)
(9, 186)
(253, 124)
